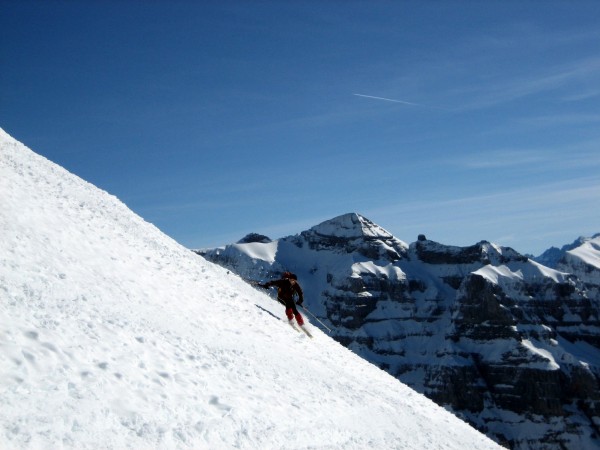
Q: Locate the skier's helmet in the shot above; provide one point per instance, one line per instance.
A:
(289, 275)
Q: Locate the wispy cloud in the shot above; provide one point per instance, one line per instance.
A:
(584, 95)
(515, 217)
(560, 119)
(387, 99)
(502, 158)
(571, 75)
(578, 155)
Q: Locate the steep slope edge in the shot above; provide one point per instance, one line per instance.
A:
(112, 335)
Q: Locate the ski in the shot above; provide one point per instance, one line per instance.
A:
(303, 328)
(300, 328)
(292, 324)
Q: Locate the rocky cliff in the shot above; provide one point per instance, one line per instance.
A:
(503, 341)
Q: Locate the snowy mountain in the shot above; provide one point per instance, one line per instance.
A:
(112, 335)
(581, 258)
(507, 343)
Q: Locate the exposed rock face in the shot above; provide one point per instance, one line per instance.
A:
(503, 341)
(254, 237)
(350, 234)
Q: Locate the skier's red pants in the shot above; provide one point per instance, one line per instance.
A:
(297, 315)
(291, 311)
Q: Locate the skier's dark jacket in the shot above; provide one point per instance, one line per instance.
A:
(286, 288)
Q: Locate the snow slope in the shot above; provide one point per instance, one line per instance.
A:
(588, 251)
(584, 260)
(585, 250)
(112, 335)
(581, 258)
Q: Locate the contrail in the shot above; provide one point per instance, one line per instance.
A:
(388, 99)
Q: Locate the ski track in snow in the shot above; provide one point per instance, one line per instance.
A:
(112, 335)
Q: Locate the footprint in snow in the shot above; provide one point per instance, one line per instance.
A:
(32, 335)
(224, 409)
(28, 356)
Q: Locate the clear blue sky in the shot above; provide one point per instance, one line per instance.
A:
(212, 119)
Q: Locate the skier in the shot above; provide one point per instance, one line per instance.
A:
(287, 287)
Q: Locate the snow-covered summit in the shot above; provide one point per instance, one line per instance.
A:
(588, 251)
(581, 257)
(353, 233)
(112, 335)
(552, 257)
(351, 225)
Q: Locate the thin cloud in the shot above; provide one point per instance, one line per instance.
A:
(560, 119)
(580, 155)
(387, 99)
(571, 76)
(565, 197)
(528, 213)
(502, 158)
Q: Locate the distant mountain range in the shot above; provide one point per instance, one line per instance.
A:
(507, 342)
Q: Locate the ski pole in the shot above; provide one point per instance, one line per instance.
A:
(315, 317)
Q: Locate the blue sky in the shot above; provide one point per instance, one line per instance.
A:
(460, 120)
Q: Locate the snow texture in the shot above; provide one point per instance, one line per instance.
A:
(112, 335)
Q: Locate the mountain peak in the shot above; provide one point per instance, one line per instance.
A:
(554, 256)
(351, 225)
(255, 237)
(353, 232)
